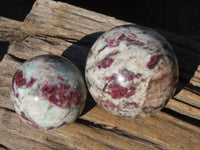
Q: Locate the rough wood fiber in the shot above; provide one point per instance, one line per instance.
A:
(62, 29)
(76, 135)
(10, 29)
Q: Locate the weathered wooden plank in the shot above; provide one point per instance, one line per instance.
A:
(195, 81)
(9, 29)
(8, 67)
(157, 130)
(188, 97)
(61, 20)
(75, 136)
(183, 108)
(16, 142)
(180, 122)
(37, 45)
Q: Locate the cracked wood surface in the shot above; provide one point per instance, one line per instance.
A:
(62, 29)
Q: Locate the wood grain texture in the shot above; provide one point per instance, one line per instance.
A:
(75, 136)
(10, 29)
(62, 29)
(188, 97)
(63, 20)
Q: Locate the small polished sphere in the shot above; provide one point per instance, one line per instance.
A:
(131, 71)
(48, 92)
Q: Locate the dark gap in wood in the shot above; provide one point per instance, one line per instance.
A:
(186, 103)
(117, 131)
(179, 87)
(70, 40)
(181, 83)
(194, 89)
(182, 117)
(3, 49)
(89, 123)
(139, 139)
(55, 144)
(47, 41)
(17, 59)
(7, 109)
(2, 146)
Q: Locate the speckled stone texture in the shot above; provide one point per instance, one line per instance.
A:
(131, 71)
(48, 92)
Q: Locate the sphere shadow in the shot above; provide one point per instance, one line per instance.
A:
(77, 54)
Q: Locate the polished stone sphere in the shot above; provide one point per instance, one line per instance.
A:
(48, 92)
(131, 71)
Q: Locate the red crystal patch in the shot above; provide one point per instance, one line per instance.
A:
(153, 61)
(123, 37)
(131, 92)
(60, 78)
(60, 95)
(117, 91)
(131, 104)
(31, 82)
(109, 105)
(19, 79)
(106, 63)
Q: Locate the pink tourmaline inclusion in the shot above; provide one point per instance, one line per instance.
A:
(113, 43)
(111, 78)
(61, 95)
(31, 82)
(131, 104)
(153, 61)
(107, 104)
(60, 78)
(118, 91)
(19, 79)
(131, 92)
(29, 122)
(130, 76)
(123, 37)
(106, 63)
